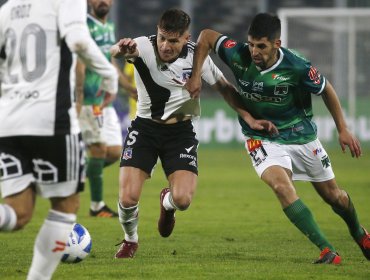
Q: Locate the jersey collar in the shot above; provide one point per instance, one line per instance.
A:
(276, 63)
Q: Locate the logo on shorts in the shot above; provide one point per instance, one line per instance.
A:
(189, 149)
(193, 163)
(317, 151)
(325, 161)
(127, 153)
(253, 144)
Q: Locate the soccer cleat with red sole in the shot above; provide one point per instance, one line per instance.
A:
(126, 250)
(364, 244)
(166, 221)
(328, 257)
(104, 212)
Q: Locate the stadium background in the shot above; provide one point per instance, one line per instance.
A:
(326, 46)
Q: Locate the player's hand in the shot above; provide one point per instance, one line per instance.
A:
(108, 98)
(125, 47)
(193, 86)
(346, 138)
(268, 126)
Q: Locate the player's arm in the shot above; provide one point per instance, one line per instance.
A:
(205, 43)
(80, 81)
(73, 28)
(125, 82)
(126, 48)
(232, 97)
(346, 138)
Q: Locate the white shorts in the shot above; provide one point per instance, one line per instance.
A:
(307, 162)
(104, 128)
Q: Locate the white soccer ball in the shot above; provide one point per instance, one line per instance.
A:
(78, 245)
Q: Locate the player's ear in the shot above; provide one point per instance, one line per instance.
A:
(277, 43)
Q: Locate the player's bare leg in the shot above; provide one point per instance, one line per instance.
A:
(177, 197)
(342, 205)
(279, 179)
(131, 181)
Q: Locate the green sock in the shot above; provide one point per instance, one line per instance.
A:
(302, 218)
(95, 174)
(350, 217)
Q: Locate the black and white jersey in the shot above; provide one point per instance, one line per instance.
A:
(38, 79)
(160, 85)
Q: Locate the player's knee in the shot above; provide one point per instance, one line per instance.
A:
(282, 189)
(182, 202)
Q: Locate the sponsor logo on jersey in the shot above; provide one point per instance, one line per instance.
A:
(257, 86)
(253, 144)
(256, 97)
(281, 90)
(279, 77)
(229, 44)
(240, 67)
(127, 153)
(314, 75)
(244, 83)
(186, 75)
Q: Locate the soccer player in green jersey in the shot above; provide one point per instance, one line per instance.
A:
(276, 84)
(99, 122)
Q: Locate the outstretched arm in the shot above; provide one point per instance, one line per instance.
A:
(346, 138)
(231, 96)
(125, 47)
(205, 43)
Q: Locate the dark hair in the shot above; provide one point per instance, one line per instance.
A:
(174, 21)
(265, 25)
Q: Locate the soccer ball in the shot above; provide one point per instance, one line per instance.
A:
(78, 245)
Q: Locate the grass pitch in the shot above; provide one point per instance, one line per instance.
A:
(234, 229)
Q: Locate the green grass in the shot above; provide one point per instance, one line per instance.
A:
(234, 229)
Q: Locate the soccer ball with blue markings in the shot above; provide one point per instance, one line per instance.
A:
(78, 245)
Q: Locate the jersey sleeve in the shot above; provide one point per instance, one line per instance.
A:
(235, 54)
(70, 18)
(144, 46)
(312, 80)
(210, 72)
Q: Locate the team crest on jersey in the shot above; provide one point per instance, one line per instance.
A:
(253, 144)
(127, 153)
(281, 90)
(314, 75)
(186, 74)
(257, 86)
(229, 44)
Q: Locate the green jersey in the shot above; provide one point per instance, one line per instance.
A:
(103, 35)
(280, 94)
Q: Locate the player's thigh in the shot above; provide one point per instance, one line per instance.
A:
(264, 154)
(183, 183)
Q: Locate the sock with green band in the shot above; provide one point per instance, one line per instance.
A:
(349, 215)
(95, 174)
(302, 218)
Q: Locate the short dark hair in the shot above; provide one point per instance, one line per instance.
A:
(174, 21)
(265, 25)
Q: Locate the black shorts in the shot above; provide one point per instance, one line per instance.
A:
(175, 144)
(54, 163)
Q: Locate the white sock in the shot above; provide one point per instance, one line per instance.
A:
(96, 206)
(129, 219)
(8, 218)
(168, 203)
(49, 244)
